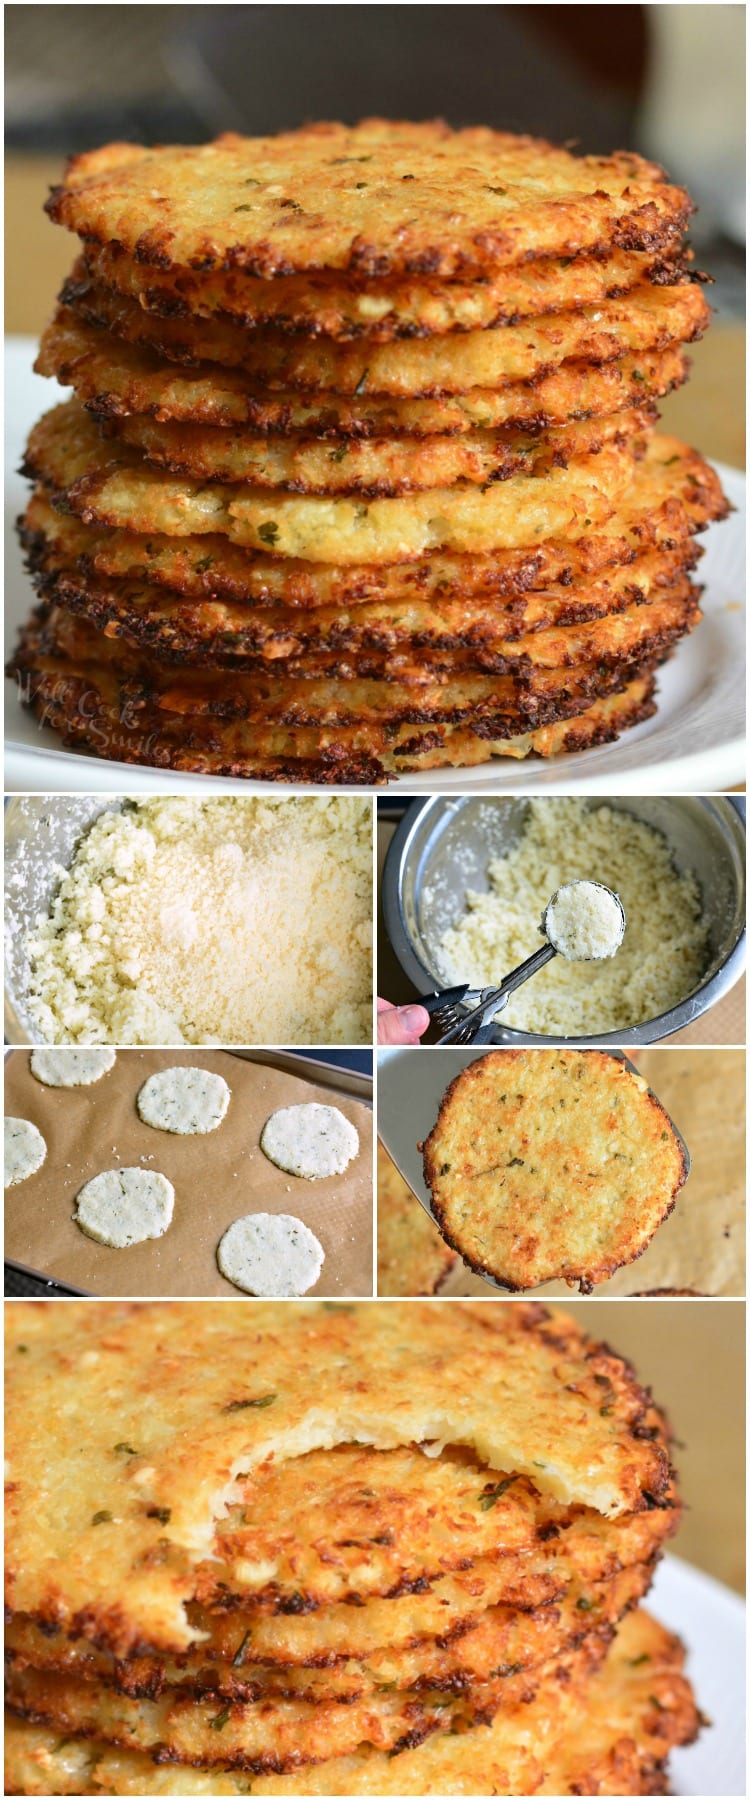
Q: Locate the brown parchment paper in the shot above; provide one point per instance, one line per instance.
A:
(702, 1244)
(216, 1178)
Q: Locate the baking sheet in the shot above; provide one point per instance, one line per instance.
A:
(702, 1244)
(216, 1178)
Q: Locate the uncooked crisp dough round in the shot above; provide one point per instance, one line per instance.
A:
(25, 1150)
(183, 1100)
(271, 1255)
(71, 1068)
(312, 1141)
(125, 1206)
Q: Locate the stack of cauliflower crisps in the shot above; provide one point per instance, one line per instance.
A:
(329, 1549)
(359, 474)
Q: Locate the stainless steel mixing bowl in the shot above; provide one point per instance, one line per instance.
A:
(443, 846)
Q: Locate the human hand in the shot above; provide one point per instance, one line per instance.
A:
(401, 1024)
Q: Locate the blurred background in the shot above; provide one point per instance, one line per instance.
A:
(692, 1354)
(667, 80)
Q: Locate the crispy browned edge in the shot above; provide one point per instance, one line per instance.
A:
(639, 1419)
(585, 1279)
(99, 600)
(644, 228)
(668, 269)
(75, 708)
(216, 1681)
(121, 318)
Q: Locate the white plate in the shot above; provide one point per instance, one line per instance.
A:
(710, 1619)
(694, 744)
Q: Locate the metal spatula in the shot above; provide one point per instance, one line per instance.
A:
(411, 1086)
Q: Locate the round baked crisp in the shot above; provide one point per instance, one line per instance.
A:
(551, 1165)
(378, 198)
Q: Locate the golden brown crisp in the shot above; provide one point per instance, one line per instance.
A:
(120, 1563)
(673, 494)
(377, 198)
(648, 318)
(370, 470)
(551, 1165)
(606, 1727)
(583, 1551)
(498, 705)
(500, 1638)
(115, 379)
(109, 484)
(380, 638)
(344, 306)
(92, 709)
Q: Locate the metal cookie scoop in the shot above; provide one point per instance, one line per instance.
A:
(448, 1009)
(553, 927)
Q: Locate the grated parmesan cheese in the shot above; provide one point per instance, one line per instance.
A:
(233, 921)
(584, 922)
(663, 954)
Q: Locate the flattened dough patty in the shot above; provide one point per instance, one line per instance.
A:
(25, 1150)
(71, 1068)
(312, 1141)
(270, 1254)
(125, 1206)
(184, 1100)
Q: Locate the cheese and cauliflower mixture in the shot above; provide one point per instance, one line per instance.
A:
(664, 951)
(584, 921)
(232, 921)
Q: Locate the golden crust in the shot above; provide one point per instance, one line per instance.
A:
(502, 1638)
(395, 368)
(115, 378)
(606, 1728)
(648, 318)
(552, 630)
(332, 305)
(272, 1736)
(120, 1565)
(386, 468)
(375, 1523)
(499, 705)
(506, 1660)
(377, 198)
(600, 1169)
(107, 484)
(673, 493)
(93, 712)
(570, 1550)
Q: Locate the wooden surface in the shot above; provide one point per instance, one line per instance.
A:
(724, 1023)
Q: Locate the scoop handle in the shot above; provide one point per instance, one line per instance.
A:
(527, 968)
